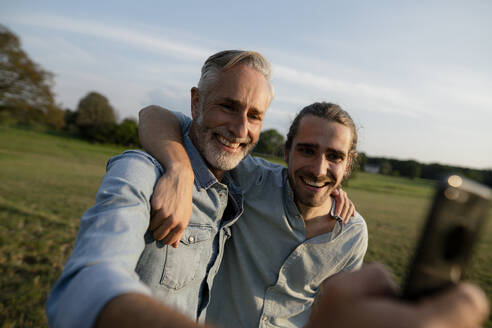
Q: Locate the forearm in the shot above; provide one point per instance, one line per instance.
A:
(138, 310)
(160, 135)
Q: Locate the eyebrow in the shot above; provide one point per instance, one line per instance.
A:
(316, 146)
(233, 102)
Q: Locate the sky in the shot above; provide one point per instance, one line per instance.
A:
(416, 76)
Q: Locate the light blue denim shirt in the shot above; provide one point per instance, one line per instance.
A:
(112, 243)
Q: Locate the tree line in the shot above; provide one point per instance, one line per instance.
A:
(271, 143)
(27, 99)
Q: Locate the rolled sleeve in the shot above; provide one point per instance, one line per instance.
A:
(108, 245)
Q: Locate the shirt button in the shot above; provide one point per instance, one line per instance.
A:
(191, 239)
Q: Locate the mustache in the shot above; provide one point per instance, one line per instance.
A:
(327, 179)
(231, 137)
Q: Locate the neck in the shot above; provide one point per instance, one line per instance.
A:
(317, 220)
(219, 174)
(310, 212)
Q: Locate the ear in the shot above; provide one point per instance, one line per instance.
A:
(286, 155)
(195, 102)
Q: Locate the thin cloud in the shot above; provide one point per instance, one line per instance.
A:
(382, 99)
(114, 33)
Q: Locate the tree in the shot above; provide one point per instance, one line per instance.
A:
(25, 88)
(126, 133)
(361, 162)
(94, 110)
(271, 143)
(385, 167)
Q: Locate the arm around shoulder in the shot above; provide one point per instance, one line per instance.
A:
(161, 135)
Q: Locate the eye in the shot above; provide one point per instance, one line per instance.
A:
(256, 117)
(227, 107)
(334, 157)
(306, 151)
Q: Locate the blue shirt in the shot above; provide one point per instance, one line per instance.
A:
(113, 243)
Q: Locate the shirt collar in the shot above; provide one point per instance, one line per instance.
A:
(204, 178)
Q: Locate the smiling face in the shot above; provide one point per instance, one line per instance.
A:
(227, 118)
(318, 160)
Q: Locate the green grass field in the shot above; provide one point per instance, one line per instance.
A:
(48, 181)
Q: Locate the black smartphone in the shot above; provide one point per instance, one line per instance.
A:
(452, 228)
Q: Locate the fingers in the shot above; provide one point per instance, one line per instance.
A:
(174, 236)
(340, 202)
(344, 206)
(345, 213)
(463, 306)
(350, 212)
(162, 231)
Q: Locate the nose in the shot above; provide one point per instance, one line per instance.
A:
(320, 166)
(239, 126)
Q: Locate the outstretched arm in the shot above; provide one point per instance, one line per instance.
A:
(160, 135)
(109, 244)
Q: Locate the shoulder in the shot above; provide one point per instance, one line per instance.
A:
(134, 158)
(357, 227)
(256, 171)
(357, 220)
(135, 167)
(184, 121)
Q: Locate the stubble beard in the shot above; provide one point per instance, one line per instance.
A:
(207, 144)
(309, 200)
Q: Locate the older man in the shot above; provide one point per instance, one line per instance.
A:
(116, 266)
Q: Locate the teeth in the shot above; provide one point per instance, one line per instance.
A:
(227, 142)
(313, 183)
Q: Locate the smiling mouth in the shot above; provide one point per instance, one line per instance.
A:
(226, 142)
(230, 144)
(313, 183)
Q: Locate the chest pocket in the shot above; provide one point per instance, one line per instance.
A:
(189, 261)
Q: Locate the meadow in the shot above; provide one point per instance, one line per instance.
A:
(47, 181)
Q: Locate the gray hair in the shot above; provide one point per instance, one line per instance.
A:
(224, 60)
